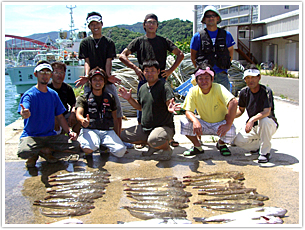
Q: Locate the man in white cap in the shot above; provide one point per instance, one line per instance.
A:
(214, 46)
(39, 106)
(216, 108)
(257, 99)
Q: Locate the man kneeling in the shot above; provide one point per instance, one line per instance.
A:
(216, 107)
(96, 111)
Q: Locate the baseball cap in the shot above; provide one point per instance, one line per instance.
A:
(96, 18)
(43, 66)
(251, 72)
(97, 71)
(153, 16)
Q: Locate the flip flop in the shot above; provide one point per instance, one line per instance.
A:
(223, 149)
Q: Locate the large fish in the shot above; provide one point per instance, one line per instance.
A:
(239, 197)
(76, 196)
(65, 205)
(79, 183)
(68, 212)
(248, 214)
(87, 173)
(65, 200)
(140, 180)
(213, 190)
(229, 208)
(213, 182)
(145, 215)
(84, 181)
(234, 175)
(76, 187)
(219, 186)
(99, 178)
(169, 203)
(162, 193)
(225, 202)
(79, 191)
(229, 192)
(160, 198)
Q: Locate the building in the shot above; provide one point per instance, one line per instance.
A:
(263, 33)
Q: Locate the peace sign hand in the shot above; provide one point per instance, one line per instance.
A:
(25, 113)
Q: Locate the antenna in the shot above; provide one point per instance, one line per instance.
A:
(72, 21)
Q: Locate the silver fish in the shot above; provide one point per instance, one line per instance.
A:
(79, 183)
(85, 181)
(240, 196)
(181, 199)
(169, 203)
(69, 205)
(150, 208)
(76, 187)
(145, 215)
(239, 202)
(76, 196)
(65, 200)
(234, 175)
(86, 173)
(140, 180)
(229, 192)
(152, 189)
(68, 212)
(171, 183)
(229, 208)
(78, 191)
(82, 177)
(162, 193)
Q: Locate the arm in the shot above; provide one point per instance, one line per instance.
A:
(240, 111)
(197, 129)
(193, 57)
(179, 59)
(259, 116)
(232, 107)
(115, 122)
(127, 96)
(108, 67)
(72, 117)
(63, 123)
(124, 59)
(83, 79)
(231, 51)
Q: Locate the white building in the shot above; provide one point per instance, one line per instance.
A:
(263, 33)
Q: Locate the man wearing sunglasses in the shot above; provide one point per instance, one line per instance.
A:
(39, 106)
(214, 46)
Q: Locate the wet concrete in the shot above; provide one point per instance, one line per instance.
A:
(278, 179)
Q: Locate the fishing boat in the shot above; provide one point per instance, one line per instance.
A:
(66, 48)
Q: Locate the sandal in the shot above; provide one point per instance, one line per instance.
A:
(174, 143)
(139, 146)
(224, 150)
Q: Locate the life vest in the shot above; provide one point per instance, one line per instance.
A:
(100, 118)
(218, 54)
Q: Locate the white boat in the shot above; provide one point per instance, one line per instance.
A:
(22, 73)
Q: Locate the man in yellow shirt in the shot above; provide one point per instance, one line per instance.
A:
(216, 108)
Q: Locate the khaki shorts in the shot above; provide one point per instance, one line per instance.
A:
(157, 137)
(30, 146)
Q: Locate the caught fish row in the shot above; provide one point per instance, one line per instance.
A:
(156, 198)
(73, 194)
(224, 191)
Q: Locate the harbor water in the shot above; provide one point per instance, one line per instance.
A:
(12, 100)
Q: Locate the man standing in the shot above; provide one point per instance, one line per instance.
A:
(156, 101)
(39, 106)
(66, 95)
(96, 111)
(214, 46)
(216, 107)
(99, 51)
(257, 99)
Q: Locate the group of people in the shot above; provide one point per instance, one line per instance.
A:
(95, 118)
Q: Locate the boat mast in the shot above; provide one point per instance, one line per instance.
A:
(72, 22)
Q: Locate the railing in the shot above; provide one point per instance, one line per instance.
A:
(246, 51)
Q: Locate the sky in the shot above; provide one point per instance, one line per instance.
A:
(23, 18)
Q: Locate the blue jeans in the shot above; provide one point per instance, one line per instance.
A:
(223, 79)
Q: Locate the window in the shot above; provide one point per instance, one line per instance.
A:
(244, 19)
(224, 11)
(242, 34)
(234, 21)
(233, 9)
(242, 8)
(224, 23)
(287, 7)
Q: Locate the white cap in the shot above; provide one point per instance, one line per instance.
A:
(94, 18)
(251, 72)
(210, 8)
(43, 66)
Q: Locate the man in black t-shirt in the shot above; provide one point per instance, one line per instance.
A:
(66, 95)
(156, 101)
(257, 99)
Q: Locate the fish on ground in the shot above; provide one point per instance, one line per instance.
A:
(87, 173)
(160, 198)
(233, 175)
(170, 183)
(58, 200)
(229, 208)
(140, 180)
(76, 187)
(62, 205)
(240, 196)
(161, 193)
(230, 202)
(145, 215)
(169, 203)
(229, 192)
(84, 177)
(67, 212)
(76, 196)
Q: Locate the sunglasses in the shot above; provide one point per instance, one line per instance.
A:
(211, 16)
(45, 72)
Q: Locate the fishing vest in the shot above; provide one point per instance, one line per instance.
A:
(218, 54)
(100, 117)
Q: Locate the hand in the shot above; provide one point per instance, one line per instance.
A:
(249, 126)
(114, 80)
(86, 121)
(173, 107)
(72, 119)
(197, 128)
(166, 73)
(73, 136)
(81, 81)
(25, 113)
(139, 73)
(124, 93)
(223, 129)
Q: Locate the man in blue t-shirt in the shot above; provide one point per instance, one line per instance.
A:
(208, 48)
(39, 106)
